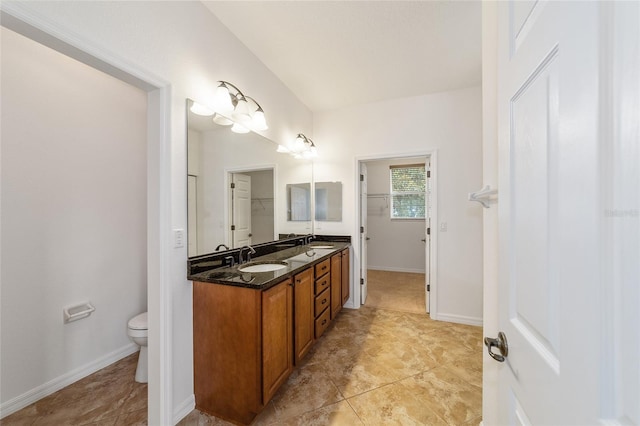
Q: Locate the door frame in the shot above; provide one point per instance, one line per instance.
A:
(19, 18)
(227, 195)
(432, 262)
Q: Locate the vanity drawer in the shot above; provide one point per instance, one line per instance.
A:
(322, 283)
(322, 301)
(322, 322)
(323, 267)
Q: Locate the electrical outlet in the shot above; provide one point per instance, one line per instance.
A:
(178, 238)
(443, 227)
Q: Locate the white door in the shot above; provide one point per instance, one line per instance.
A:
(427, 237)
(363, 233)
(549, 214)
(241, 210)
(192, 215)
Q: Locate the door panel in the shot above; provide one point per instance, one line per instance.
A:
(548, 235)
(192, 218)
(241, 210)
(363, 235)
(534, 112)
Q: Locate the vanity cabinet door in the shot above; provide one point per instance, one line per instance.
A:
(277, 337)
(336, 284)
(345, 275)
(304, 304)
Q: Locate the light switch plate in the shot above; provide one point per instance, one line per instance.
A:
(443, 227)
(178, 238)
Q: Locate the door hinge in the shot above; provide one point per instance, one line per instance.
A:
(428, 173)
(233, 227)
(361, 178)
(362, 229)
(428, 287)
(361, 281)
(233, 185)
(428, 231)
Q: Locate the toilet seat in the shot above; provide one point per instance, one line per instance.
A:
(139, 322)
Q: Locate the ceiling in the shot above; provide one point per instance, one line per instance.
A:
(333, 54)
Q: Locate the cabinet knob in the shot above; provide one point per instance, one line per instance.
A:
(324, 301)
(324, 321)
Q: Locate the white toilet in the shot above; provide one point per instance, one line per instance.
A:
(138, 332)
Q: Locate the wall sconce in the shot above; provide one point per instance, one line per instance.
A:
(232, 107)
(301, 147)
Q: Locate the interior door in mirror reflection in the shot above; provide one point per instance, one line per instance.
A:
(192, 219)
(241, 210)
(299, 202)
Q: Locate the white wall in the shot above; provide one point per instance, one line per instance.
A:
(73, 214)
(394, 245)
(183, 44)
(449, 122)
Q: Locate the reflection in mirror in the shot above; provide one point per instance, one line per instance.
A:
(328, 201)
(298, 202)
(249, 213)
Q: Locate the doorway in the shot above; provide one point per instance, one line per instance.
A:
(251, 206)
(158, 174)
(395, 248)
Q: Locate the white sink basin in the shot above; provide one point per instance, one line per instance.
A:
(263, 267)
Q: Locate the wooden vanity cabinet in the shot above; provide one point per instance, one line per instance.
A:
(246, 341)
(242, 347)
(323, 297)
(345, 275)
(277, 338)
(336, 284)
(304, 306)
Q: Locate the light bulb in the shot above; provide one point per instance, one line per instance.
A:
(222, 99)
(200, 109)
(241, 113)
(282, 148)
(258, 121)
(298, 144)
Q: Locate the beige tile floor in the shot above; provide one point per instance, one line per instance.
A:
(399, 291)
(106, 398)
(372, 366)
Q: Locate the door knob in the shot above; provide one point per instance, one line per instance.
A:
(500, 343)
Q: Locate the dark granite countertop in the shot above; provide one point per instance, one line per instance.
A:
(297, 258)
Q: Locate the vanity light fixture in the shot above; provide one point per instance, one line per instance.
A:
(231, 107)
(301, 147)
(231, 103)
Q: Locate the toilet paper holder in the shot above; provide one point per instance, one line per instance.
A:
(77, 312)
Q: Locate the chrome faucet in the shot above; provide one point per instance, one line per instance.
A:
(309, 238)
(249, 253)
(226, 247)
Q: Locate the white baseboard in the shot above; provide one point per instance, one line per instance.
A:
(184, 409)
(54, 385)
(392, 269)
(459, 319)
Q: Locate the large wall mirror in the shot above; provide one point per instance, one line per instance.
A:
(237, 187)
(328, 201)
